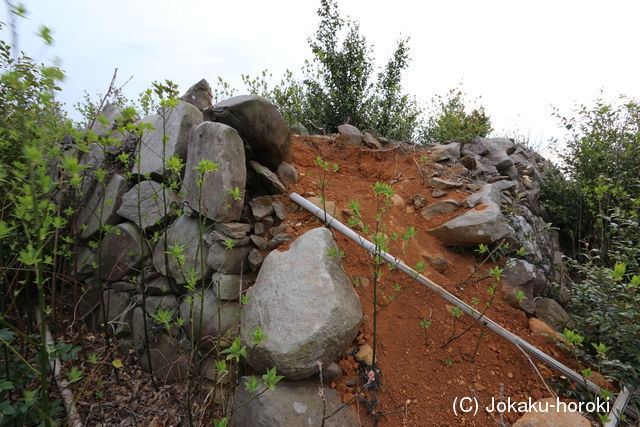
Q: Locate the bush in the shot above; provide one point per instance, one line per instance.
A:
(449, 120)
(605, 301)
(338, 87)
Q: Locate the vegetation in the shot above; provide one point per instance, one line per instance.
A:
(594, 198)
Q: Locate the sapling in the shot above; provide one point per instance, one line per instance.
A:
(425, 323)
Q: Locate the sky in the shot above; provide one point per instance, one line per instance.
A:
(520, 57)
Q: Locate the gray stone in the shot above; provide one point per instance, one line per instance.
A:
(331, 372)
(158, 286)
(298, 129)
(445, 152)
(154, 152)
(218, 236)
(438, 193)
(468, 162)
(120, 252)
(259, 242)
(235, 230)
(371, 141)
(278, 240)
(474, 227)
(119, 311)
(168, 358)
(305, 303)
(444, 184)
(85, 260)
(221, 259)
(198, 95)
(552, 313)
(220, 319)
(438, 262)
(153, 304)
(259, 123)
(102, 206)
(439, 208)
(222, 145)
(123, 287)
(110, 113)
(522, 274)
(278, 210)
(255, 260)
(287, 173)
(185, 231)
(91, 160)
(268, 179)
(229, 287)
(289, 404)
(350, 135)
(155, 202)
(261, 207)
(419, 201)
(477, 147)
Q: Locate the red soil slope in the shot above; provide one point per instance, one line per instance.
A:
(420, 381)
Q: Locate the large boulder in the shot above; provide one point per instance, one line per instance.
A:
(289, 404)
(169, 137)
(305, 303)
(220, 144)
(485, 224)
(120, 251)
(185, 232)
(259, 123)
(101, 208)
(198, 95)
(106, 120)
(147, 203)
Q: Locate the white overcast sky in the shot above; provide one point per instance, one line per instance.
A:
(521, 57)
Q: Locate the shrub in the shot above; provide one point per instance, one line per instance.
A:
(337, 85)
(449, 119)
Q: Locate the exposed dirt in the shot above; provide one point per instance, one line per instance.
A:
(420, 380)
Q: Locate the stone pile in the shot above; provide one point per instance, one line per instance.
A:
(195, 252)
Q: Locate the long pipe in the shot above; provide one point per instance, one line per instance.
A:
(514, 339)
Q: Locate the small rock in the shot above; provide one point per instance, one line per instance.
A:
(255, 260)
(261, 207)
(259, 242)
(540, 328)
(547, 415)
(439, 208)
(278, 210)
(287, 173)
(299, 129)
(444, 184)
(278, 240)
(229, 287)
(331, 373)
(371, 141)
(468, 162)
(365, 354)
(438, 262)
(438, 193)
(419, 201)
(199, 95)
(398, 201)
(235, 230)
(269, 179)
(552, 313)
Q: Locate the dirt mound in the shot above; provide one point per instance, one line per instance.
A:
(420, 380)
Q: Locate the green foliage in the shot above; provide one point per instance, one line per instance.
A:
(340, 85)
(605, 301)
(450, 120)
